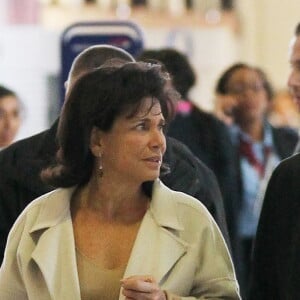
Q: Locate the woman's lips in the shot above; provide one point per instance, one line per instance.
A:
(154, 161)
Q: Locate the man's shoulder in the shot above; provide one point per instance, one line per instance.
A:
(285, 130)
(286, 135)
(286, 176)
(21, 148)
(290, 164)
(187, 172)
(208, 119)
(28, 147)
(179, 152)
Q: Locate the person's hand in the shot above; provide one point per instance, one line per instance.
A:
(141, 287)
(224, 108)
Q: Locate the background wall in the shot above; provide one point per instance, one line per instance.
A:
(266, 28)
(258, 32)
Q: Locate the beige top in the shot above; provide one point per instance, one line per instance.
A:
(96, 282)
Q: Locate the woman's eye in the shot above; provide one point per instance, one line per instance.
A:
(141, 126)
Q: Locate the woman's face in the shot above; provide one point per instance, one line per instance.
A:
(134, 147)
(10, 120)
(247, 87)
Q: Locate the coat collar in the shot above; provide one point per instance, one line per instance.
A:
(156, 249)
(55, 208)
(161, 203)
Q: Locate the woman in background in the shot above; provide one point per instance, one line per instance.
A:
(244, 96)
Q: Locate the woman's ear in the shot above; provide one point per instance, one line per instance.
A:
(95, 141)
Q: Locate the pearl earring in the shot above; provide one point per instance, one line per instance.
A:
(100, 167)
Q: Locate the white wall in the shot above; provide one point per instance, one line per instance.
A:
(266, 29)
(28, 55)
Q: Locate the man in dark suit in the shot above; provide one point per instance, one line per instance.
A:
(276, 267)
(22, 162)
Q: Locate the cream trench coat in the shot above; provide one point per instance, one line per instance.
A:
(178, 243)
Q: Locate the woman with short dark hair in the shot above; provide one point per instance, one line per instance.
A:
(112, 230)
(244, 95)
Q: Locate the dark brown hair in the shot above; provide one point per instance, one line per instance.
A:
(177, 64)
(97, 99)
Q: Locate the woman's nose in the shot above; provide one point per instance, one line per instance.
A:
(157, 138)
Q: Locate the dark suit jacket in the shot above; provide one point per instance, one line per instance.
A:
(276, 274)
(22, 162)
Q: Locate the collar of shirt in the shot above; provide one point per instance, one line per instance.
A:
(236, 132)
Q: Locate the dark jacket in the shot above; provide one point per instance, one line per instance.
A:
(284, 140)
(22, 162)
(276, 268)
(208, 138)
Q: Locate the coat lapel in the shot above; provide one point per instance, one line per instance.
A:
(157, 247)
(55, 244)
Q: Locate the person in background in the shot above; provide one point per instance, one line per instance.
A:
(22, 162)
(205, 135)
(10, 116)
(113, 230)
(276, 262)
(258, 146)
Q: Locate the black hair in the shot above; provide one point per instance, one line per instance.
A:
(6, 92)
(96, 100)
(177, 64)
